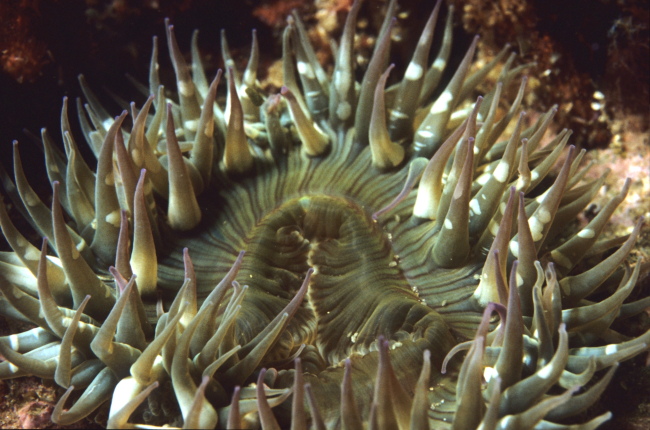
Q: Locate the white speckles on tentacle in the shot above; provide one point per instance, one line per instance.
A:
(577, 287)
(540, 172)
(106, 203)
(542, 124)
(93, 138)
(492, 192)
(29, 340)
(523, 248)
(28, 255)
(436, 121)
(576, 248)
(606, 355)
(501, 125)
(535, 413)
(552, 300)
(367, 97)
(125, 175)
(117, 356)
(55, 160)
(535, 386)
(434, 73)
(486, 291)
(457, 166)
(314, 141)
(81, 278)
(154, 76)
(342, 89)
(58, 321)
(416, 168)
(541, 327)
(401, 120)
(38, 212)
(473, 80)
(541, 220)
(569, 210)
(318, 70)
(122, 252)
(84, 176)
(101, 127)
(79, 205)
(509, 364)
(314, 81)
(136, 138)
(288, 70)
(486, 128)
(430, 188)
(251, 111)
(385, 153)
(153, 132)
(237, 157)
(523, 170)
(452, 244)
(190, 109)
(97, 109)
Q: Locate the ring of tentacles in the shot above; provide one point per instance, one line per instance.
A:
(340, 244)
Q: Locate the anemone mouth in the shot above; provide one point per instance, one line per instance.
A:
(292, 208)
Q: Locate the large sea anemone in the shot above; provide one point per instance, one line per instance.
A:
(340, 254)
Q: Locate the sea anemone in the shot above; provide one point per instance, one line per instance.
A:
(243, 256)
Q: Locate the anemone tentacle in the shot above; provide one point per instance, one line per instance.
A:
(269, 234)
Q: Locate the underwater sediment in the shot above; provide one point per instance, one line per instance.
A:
(365, 229)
